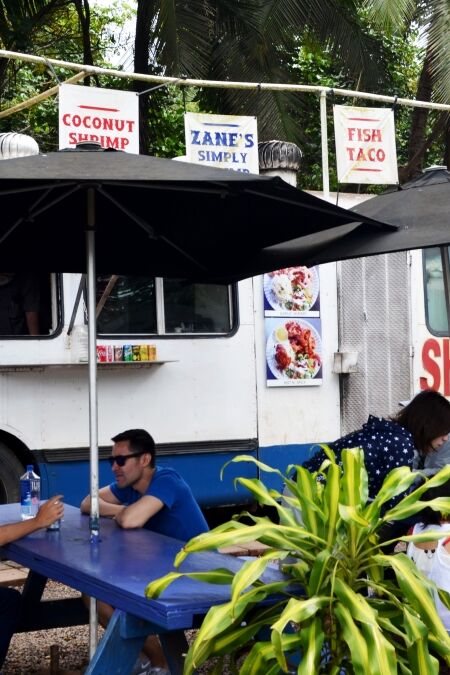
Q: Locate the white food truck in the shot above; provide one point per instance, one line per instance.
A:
(210, 393)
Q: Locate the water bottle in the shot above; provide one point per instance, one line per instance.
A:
(80, 343)
(30, 493)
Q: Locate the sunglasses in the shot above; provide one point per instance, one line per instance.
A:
(121, 459)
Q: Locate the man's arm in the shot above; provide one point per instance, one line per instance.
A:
(51, 510)
(32, 319)
(137, 514)
(108, 504)
(31, 301)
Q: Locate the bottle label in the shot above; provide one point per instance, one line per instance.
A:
(30, 490)
(35, 486)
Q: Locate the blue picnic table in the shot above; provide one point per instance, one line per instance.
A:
(116, 570)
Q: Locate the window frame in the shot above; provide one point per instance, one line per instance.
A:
(233, 305)
(445, 260)
(56, 290)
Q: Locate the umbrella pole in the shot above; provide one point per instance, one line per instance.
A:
(93, 421)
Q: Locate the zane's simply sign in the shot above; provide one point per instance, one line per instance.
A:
(365, 145)
(223, 141)
(106, 116)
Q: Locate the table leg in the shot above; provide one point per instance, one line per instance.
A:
(123, 640)
(173, 643)
(38, 614)
(175, 647)
(33, 588)
(116, 653)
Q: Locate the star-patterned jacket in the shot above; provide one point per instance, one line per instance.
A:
(386, 446)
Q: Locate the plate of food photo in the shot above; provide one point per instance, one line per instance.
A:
(294, 350)
(292, 289)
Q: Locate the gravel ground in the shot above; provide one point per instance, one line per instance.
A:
(29, 653)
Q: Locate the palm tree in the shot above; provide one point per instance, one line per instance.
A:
(19, 19)
(433, 19)
(250, 40)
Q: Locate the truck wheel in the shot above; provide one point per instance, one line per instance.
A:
(10, 471)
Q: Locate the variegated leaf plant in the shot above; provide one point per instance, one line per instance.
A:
(350, 616)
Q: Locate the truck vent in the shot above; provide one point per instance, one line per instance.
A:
(374, 319)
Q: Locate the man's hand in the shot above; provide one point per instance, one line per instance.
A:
(50, 511)
(108, 505)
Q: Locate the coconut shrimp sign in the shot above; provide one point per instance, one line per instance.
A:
(365, 145)
(223, 141)
(105, 116)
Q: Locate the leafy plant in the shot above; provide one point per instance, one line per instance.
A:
(343, 603)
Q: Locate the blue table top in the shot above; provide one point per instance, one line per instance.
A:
(118, 569)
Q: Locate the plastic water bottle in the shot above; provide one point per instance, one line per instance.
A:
(80, 336)
(79, 344)
(30, 493)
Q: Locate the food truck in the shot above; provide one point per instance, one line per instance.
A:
(267, 367)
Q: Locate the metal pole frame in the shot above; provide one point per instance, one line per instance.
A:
(93, 403)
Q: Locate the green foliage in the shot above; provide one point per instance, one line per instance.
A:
(58, 37)
(342, 603)
(316, 65)
(165, 120)
(321, 43)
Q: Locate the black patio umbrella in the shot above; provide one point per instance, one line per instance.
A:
(158, 217)
(419, 209)
(79, 211)
(153, 216)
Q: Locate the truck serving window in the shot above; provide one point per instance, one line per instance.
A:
(434, 288)
(28, 305)
(137, 305)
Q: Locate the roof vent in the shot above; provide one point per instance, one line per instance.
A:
(92, 146)
(17, 145)
(435, 167)
(89, 146)
(279, 155)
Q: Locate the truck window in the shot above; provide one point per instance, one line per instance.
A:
(28, 304)
(126, 304)
(129, 305)
(196, 308)
(435, 300)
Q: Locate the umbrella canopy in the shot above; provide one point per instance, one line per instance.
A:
(158, 217)
(419, 210)
(113, 212)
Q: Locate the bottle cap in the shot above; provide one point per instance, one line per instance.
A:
(30, 467)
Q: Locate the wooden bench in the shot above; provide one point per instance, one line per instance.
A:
(12, 573)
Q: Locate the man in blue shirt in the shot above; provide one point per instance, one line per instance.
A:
(144, 495)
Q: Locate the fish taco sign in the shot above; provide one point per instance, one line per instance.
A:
(223, 141)
(106, 116)
(365, 145)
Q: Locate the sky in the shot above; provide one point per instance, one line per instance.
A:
(124, 59)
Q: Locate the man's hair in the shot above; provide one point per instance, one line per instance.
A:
(427, 416)
(139, 441)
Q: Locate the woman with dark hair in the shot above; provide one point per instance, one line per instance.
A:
(426, 417)
(405, 439)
